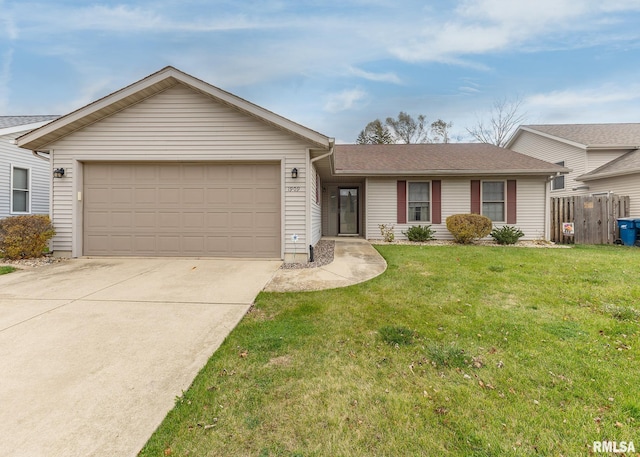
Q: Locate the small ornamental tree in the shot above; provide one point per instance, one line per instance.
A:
(466, 228)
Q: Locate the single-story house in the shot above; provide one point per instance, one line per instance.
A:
(173, 166)
(603, 158)
(24, 177)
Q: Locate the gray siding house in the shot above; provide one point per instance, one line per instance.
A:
(173, 166)
(24, 177)
(603, 158)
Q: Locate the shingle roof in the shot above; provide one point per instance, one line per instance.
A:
(436, 159)
(593, 134)
(628, 163)
(14, 121)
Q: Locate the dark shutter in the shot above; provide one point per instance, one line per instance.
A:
(402, 202)
(436, 202)
(512, 202)
(475, 196)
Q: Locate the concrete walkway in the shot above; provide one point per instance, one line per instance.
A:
(93, 352)
(355, 261)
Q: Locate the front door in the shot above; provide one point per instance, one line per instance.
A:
(348, 211)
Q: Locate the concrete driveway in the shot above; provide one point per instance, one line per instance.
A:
(93, 352)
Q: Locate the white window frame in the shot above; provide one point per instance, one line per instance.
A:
(27, 190)
(428, 183)
(504, 202)
(563, 177)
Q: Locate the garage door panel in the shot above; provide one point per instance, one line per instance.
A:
(145, 195)
(218, 196)
(174, 209)
(169, 195)
(267, 196)
(121, 219)
(97, 219)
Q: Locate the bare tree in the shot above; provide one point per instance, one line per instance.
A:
(440, 131)
(408, 130)
(506, 116)
(375, 133)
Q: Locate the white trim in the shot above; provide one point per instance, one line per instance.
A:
(429, 183)
(504, 202)
(28, 190)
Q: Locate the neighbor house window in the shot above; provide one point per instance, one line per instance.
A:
(20, 194)
(419, 202)
(493, 200)
(558, 182)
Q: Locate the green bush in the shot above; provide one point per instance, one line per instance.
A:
(468, 227)
(419, 233)
(507, 234)
(24, 237)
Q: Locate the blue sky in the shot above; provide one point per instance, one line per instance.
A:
(335, 65)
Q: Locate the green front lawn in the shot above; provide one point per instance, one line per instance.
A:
(455, 350)
(6, 269)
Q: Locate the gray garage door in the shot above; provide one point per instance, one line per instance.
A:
(182, 209)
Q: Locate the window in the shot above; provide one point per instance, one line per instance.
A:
(20, 195)
(419, 202)
(558, 182)
(493, 201)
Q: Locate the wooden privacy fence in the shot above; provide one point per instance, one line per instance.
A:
(594, 218)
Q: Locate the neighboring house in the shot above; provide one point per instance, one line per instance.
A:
(173, 166)
(24, 178)
(603, 158)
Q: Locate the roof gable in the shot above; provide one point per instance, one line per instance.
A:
(152, 85)
(587, 136)
(437, 159)
(626, 164)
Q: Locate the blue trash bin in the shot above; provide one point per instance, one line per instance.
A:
(628, 230)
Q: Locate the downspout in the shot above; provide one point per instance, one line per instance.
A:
(308, 178)
(547, 200)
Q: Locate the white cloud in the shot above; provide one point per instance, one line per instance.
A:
(377, 77)
(478, 27)
(344, 100)
(604, 103)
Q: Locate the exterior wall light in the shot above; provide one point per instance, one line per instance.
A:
(294, 173)
(58, 173)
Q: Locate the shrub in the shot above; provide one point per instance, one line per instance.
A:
(25, 236)
(387, 232)
(507, 234)
(468, 227)
(419, 233)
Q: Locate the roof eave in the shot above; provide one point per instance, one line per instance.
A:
(600, 147)
(528, 172)
(549, 136)
(612, 174)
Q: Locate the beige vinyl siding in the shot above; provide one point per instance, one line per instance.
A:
(185, 125)
(596, 159)
(39, 176)
(620, 185)
(381, 203)
(554, 151)
(316, 206)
